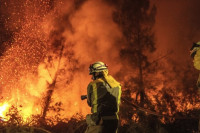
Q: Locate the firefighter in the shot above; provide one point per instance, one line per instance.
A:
(103, 96)
(195, 54)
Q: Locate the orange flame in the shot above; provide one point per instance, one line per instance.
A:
(4, 107)
(89, 35)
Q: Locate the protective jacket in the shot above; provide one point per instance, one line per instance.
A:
(104, 96)
(196, 62)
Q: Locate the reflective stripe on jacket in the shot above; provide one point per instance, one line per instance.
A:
(104, 95)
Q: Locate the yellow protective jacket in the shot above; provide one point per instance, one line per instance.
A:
(104, 96)
(196, 62)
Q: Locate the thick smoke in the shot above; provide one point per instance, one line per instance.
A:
(177, 27)
(93, 37)
(35, 32)
(39, 29)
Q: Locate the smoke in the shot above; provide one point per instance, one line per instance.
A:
(35, 31)
(177, 27)
(93, 37)
(39, 29)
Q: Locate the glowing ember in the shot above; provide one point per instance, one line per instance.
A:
(3, 110)
(30, 62)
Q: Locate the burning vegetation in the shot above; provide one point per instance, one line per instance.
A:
(47, 46)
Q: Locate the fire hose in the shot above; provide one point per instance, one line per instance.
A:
(83, 97)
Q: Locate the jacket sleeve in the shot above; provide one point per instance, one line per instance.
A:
(196, 60)
(89, 94)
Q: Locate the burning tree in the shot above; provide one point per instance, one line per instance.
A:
(136, 20)
(49, 45)
(148, 83)
(60, 61)
(51, 86)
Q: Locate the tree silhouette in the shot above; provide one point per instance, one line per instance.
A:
(136, 19)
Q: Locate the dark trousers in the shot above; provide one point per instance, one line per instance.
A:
(110, 126)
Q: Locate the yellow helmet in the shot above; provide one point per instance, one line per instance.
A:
(97, 67)
(194, 49)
